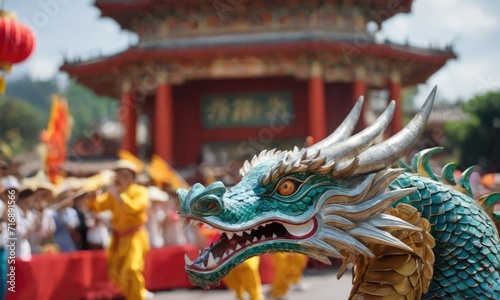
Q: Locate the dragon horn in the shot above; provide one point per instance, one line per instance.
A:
(343, 131)
(358, 143)
(386, 153)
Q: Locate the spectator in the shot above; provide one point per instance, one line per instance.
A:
(98, 234)
(173, 234)
(26, 222)
(80, 236)
(44, 194)
(65, 219)
(156, 216)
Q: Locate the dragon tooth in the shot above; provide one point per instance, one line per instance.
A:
(300, 230)
(247, 243)
(239, 233)
(217, 260)
(211, 261)
(208, 227)
(220, 231)
(254, 239)
(263, 237)
(238, 247)
(224, 255)
(231, 251)
(187, 260)
(249, 231)
(230, 235)
(274, 236)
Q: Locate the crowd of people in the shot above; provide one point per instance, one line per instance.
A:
(56, 218)
(105, 211)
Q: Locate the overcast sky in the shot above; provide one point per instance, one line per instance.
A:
(73, 28)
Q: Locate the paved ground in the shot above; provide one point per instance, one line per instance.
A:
(319, 285)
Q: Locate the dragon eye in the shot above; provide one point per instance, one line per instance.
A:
(287, 188)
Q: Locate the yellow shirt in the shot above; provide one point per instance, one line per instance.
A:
(129, 214)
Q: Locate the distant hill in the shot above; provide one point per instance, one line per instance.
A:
(36, 93)
(26, 105)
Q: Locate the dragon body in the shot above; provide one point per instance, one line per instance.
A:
(408, 233)
(467, 248)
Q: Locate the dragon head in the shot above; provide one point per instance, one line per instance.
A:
(323, 201)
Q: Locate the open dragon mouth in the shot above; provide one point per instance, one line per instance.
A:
(233, 242)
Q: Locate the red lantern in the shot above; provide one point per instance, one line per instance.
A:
(17, 42)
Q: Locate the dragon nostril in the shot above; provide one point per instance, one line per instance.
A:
(207, 205)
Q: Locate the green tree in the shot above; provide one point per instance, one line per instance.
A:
(37, 93)
(20, 124)
(478, 138)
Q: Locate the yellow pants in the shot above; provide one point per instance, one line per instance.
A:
(126, 256)
(288, 269)
(245, 278)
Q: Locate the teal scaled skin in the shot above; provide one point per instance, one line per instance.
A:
(467, 251)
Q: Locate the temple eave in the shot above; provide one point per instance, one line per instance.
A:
(349, 49)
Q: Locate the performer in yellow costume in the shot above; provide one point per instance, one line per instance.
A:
(130, 242)
(288, 268)
(245, 278)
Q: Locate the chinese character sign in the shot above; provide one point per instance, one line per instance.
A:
(247, 110)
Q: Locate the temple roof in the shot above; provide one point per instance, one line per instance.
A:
(425, 61)
(255, 38)
(301, 39)
(123, 11)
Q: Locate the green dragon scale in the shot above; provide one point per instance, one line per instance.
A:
(330, 201)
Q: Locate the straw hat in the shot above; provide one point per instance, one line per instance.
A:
(69, 184)
(39, 181)
(27, 185)
(155, 194)
(127, 165)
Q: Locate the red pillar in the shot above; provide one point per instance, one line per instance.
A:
(317, 106)
(128, 117)
(164, 127)
(359, 89)
(395, 94)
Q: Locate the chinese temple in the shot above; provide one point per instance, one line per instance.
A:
(236, 76)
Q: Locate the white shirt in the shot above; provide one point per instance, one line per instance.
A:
(154, 226)
(48, 225)
(25, 220)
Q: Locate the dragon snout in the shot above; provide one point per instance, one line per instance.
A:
(201, 201)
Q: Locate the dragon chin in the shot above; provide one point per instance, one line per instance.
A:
(216, 261)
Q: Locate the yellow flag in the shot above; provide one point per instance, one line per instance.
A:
(126, 155)
(160, 171)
